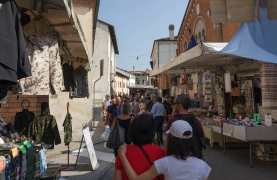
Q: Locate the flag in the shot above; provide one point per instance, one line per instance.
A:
(192, 43)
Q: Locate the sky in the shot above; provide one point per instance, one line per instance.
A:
(137, 24)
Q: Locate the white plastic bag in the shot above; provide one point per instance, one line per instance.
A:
(105, 135)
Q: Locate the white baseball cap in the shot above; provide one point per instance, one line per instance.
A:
(178, 128)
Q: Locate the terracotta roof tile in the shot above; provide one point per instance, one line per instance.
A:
(167, 39)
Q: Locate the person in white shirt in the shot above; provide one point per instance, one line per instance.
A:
(181, 161)
(105, 104)
(159, 113)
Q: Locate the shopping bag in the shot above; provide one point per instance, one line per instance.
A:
(105, 135)
(117, 137)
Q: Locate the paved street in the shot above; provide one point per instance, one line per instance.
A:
(233, 165)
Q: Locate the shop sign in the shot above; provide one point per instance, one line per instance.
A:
(54, 96)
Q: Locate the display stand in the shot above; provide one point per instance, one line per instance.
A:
(66, 167)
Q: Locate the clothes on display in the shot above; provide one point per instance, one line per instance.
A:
(14, 61)
(44, 55)
(69, 77)
(2, 167)
(45, 128)
(67, 124)
(23, 120)
(236, 90)
(168, 81)
(162, 81)
(81, 79)
(228, 87)
(173, 80)
(268, 75)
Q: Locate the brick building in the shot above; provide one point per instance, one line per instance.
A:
(13, 105)
(197, 22)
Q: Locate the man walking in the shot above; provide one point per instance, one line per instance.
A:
(105, 104)
(108, 111)
(115, 111)
(160, 115)
(146, 97)
(150, 103)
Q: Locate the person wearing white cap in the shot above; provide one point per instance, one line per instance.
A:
(181, 161)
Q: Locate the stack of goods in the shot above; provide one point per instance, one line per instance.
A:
(248, 103)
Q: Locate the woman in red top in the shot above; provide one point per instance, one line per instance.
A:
(141, 133)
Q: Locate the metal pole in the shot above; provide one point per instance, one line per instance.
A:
(224, 144)
(251, 154)
(93, 119)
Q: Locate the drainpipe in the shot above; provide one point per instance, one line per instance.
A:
(93, 119)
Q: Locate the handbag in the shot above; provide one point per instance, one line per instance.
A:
(117, 137)
(147, 158)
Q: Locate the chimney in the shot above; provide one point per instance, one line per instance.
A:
(134, 68)
(171, 31)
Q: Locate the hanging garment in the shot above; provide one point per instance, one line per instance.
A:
(8, 169)
(200, 90)
(195, 78)
(236, 90)
(14, 163)
(213, 85)
(30, 162)
(14, 61)
(42, 162)
(200, 78)
(23, 166)
(268, 75)
(69, 77)
(2, 167)
(195, 89)
(45, 128)
(3, 95)
(23, 121)
(36, 169)
(173, 80)
(67, 125)
(43, 50)
(45, 157)
(162, 81)
(18, 167)
(190, 84)
(81, 78)
(228, 88)
(168, 81)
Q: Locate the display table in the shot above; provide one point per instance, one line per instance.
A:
(250, 134)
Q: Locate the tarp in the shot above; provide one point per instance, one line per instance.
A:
(256, 40)
(141, 87)
(198, 52)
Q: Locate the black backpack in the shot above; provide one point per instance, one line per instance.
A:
(196, 132)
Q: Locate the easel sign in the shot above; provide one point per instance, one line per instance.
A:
(90, 148)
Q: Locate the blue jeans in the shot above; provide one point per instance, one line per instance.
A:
(159, 120)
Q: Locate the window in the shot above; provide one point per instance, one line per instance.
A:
(197, 9)
(120, 84)
(143, 75)
(143, 81)
(101, 67)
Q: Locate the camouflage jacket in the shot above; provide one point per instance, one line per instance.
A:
(81, 78)
(23, 121)
(44, 55)
(44, 128)
(67, 125)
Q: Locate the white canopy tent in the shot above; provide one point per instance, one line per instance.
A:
(202, 56)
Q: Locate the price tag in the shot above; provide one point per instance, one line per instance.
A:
(268, 120)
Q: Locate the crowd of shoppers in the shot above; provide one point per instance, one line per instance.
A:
(143, 119)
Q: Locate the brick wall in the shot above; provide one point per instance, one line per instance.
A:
(228, 30)
(8, 111)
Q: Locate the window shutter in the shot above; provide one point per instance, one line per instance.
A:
(219, 10)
